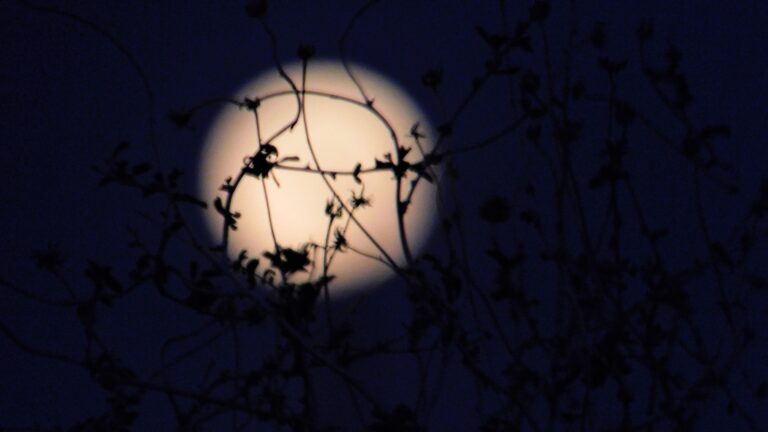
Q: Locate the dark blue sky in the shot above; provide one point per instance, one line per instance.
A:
(68, 96)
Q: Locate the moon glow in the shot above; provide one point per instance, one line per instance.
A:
(343, 133)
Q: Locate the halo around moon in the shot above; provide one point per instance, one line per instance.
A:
(343, 133)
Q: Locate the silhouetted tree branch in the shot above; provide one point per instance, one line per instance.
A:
(573, 316)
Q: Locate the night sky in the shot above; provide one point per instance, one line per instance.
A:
(70, 92)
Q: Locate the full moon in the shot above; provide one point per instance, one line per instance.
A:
(317, 158)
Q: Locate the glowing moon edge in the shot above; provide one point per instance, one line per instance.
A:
(351, 139)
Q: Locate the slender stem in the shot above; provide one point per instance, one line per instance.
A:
(269, 216)
(342, 46)
(365, 232)
(401, 207)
